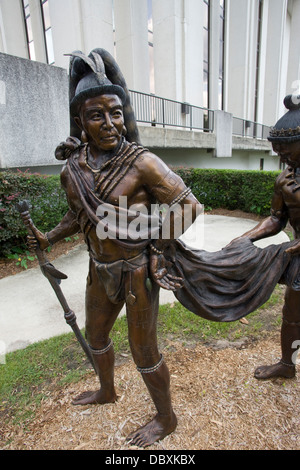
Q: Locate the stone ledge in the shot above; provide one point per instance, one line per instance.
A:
(158, 137)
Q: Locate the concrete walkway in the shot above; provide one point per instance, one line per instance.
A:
(30, 311)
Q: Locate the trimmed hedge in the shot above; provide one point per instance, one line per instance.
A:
(249, 191)
(246, 190)
(47, 203)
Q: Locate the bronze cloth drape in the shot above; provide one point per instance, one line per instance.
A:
(229, 284)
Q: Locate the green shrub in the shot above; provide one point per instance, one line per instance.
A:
(46, 199)
(249, 191)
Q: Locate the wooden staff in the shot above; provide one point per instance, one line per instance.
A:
(54, 277)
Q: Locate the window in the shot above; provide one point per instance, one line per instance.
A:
(221, 55)
(48, 43)
(47, 31)
(206, 53)
(28, 28)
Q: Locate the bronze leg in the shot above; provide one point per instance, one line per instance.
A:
(290, 333)
(100, 318)
(290, 329)
(142, 323)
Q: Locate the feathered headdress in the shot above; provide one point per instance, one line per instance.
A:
(94, 75)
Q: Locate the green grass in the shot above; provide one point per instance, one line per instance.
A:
(183, 325)
(29, 374)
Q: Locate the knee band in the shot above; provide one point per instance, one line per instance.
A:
(98, 352)
(149, 370)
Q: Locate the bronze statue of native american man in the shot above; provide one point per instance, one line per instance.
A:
(102, 166)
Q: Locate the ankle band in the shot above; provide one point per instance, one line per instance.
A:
(285, 364)
(292, 323)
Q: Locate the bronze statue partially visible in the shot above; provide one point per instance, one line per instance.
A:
(285, 138)
(101, 167)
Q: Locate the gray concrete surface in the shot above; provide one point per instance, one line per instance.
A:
(30, 311)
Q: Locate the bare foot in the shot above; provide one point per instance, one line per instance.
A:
(275, 370)
(158, 428)
(94, 398)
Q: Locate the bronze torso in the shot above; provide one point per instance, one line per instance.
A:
(145, 180)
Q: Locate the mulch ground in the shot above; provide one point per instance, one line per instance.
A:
(218, 403)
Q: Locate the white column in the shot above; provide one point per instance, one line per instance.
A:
(275, 76)
(80, 25)
(66, 27)
(251, 54)
(293, 77)
(192, 54)
(241, 58)
(97, 19)
(214, 56)
(262, 62)
(13, 32)
(168, 48)
(132, 50)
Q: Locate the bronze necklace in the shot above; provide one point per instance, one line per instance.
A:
(105, 164)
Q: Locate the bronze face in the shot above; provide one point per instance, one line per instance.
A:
(102, 120)
(288, 152)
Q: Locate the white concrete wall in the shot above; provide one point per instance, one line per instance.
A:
(34, 112)
(201, 158)
(34, 109)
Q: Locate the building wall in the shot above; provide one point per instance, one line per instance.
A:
(121, 27)
(34, 115)
(174, 60)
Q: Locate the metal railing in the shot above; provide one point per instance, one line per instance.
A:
(157, 111)
(252, 129)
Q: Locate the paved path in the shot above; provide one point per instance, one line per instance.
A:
(30, 310)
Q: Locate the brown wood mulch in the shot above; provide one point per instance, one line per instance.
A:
(218, 402)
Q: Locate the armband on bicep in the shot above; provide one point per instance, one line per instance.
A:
(171, 189)
(180, 197)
